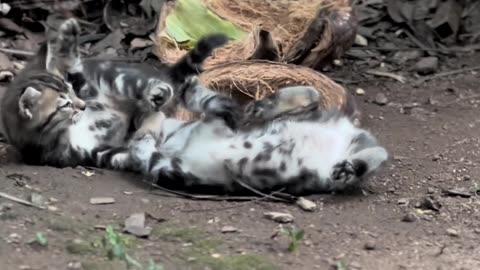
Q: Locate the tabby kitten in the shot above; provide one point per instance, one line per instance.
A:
(50, 125)
(292, 144)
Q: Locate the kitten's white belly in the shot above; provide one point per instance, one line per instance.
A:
(320, 147)
(85, 136)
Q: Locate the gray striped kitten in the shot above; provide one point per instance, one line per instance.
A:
(46, 121)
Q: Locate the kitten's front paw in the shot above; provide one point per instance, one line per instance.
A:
(343, 171)
(159, 95)
(225, 108)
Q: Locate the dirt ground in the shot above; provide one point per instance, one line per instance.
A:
(403, 221)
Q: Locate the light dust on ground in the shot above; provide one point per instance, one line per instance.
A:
(433, 146)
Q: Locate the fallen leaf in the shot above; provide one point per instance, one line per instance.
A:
(279, 217)
(102, 200)
(37, 199)
(135, 224)
(112, 40)
(88, 173)
(387, 74)
(140, 43)
(458, 192)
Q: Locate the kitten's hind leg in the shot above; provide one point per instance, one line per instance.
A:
(296, 102)
(198, 98)
(156, 165)
(351, 171)
(368, 160)
(149, 123)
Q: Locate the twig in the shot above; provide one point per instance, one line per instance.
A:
(444, 74)
(458, 100)
(387, 74)
(178, 194)
(255, 200)
(17, 52)
(18, 200)
(248, 187)
(90, 38)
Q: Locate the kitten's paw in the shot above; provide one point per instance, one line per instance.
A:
(141, 149)
(226, 109)
(343, 171)
(69, 29)
(158, 95)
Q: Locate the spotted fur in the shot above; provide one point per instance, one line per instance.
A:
(293, 145)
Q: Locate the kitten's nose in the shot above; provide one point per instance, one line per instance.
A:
(80, 104)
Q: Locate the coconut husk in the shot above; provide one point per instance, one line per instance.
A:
(259, 44)
(328, 35)
(302, 32)
(256, 79)
(282, 18)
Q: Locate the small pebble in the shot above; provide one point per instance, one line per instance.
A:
(452, 232)
(409, 217)
(381, 99)
(74, 265)
(426, 65)
(360, 92)
(216, 255)
(370, 245)
(403, 201)
(430, 190)
(279, 217)
(52, 208)
(102, 200)
(228, 229)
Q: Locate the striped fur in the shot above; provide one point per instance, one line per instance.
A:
(50, 125)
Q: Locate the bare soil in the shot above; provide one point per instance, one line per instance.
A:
(434, 146)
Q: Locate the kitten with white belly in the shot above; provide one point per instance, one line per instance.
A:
(292, 145)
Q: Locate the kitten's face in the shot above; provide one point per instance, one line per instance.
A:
(46, 108)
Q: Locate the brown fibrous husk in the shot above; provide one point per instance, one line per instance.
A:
(303, 32)
(256, 79)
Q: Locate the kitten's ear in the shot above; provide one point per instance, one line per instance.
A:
(29, 97)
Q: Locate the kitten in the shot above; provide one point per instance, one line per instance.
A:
(292, 144)
(46, 121)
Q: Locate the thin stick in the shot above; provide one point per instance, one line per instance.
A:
(447, 73)
(387, 74)
(179, 194)
(17, 52)
(246, 186)
(255, 200)
(18, 200)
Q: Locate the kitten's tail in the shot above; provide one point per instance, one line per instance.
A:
(191, 63)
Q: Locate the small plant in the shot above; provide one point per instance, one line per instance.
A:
(40, 241)
(115, 245)
(294, 234)
(341, 265)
